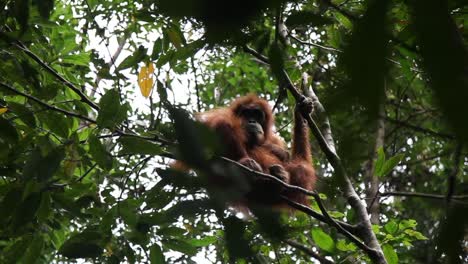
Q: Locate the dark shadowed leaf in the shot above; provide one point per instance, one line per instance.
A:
(10, 202)
(43, 167)
(58, 123)
(23, 113)
(276, 57)
(187, 208)
(445, 58)
(44, 7)
(135, 145)
(34, 250)
(133, 60)
(237, 245)
(102, 157)
(156, 255)
(112, 112)
(21, 11)
(364, 57)
(26, 211)
(8, 132)
(181, 246)
(300, 18)
(83, 245)
(196, 143)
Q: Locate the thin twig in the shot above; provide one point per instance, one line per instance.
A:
(86, 173)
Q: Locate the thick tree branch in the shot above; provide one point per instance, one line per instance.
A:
(289, 187)
(373, 180)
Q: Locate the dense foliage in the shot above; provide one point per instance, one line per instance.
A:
(96, 99)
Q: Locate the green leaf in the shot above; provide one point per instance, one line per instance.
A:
(135, 145)
(156, 255)
(81, 59)
(379, 162)
(323, 240)
(343, 20)
(300, 18)
(157, 49)
(133, 60)
(102, 157)
(391, 163)
(112, 113)
(415, 234)
(181, 246)
(390, 254)
(410, 223)
(203, 242)
(336, 214)
(391, 227)
(343, 246)
(175, 36)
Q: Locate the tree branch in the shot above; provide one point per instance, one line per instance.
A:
(424, 195)
(308, 251)
(46, 105)
(352, 197)
(67, 83)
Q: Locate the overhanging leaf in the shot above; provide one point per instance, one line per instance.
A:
(306, 18)
(390, 254)
(111, 112)
(135, 145)
(379, 162)
(133, 59)
(102, 157)
(391, 163)
(83, 245)
(156, 255)
(323, 240)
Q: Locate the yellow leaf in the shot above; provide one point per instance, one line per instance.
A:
(3, 110)
(145, 79)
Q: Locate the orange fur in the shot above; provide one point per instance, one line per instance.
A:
(270, 152)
